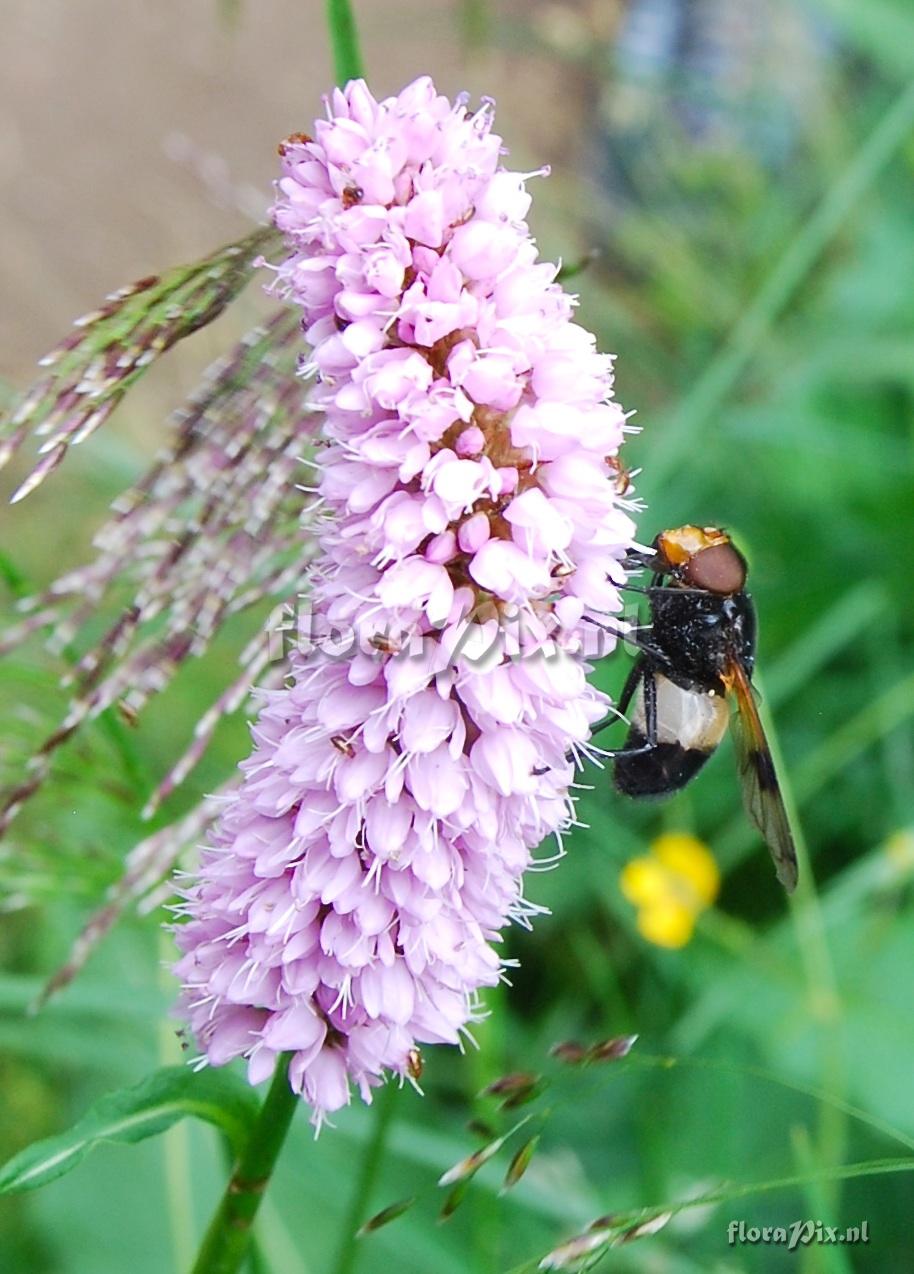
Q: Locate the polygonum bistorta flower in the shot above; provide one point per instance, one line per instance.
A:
(347, 908)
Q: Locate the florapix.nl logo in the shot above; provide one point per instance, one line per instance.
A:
(797, 1234)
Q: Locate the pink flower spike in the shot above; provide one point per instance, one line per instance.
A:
(349, 904)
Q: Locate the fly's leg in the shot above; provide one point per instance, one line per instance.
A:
(641, 673)
(638, 674)
(627, 635)
(650, 717)
(679, 589)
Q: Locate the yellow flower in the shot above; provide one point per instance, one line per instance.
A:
(900, 850)
(671, 885)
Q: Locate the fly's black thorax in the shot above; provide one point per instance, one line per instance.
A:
(698, 632)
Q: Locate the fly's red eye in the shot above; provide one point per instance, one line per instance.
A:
(719, 569)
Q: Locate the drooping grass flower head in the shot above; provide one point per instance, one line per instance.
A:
(348, 907)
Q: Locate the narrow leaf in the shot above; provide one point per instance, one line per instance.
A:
(454, 1199)
(521, 1162)
(386, 1215)
(133, 1114)
(12, 577)
(570, 269)
(467, 1167)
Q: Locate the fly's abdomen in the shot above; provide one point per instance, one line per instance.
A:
(690, 724)
(664, 769)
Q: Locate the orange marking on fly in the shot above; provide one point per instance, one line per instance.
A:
(681, 543)
(702, 557)
(352, 194)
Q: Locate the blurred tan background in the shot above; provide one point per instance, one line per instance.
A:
(136, 135)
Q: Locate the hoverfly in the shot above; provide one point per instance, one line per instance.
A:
(693, 676)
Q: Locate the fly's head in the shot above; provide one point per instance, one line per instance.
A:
(702, 557)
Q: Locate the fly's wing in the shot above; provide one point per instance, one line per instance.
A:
(761, 791)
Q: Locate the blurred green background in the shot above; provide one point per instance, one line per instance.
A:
(745, 175)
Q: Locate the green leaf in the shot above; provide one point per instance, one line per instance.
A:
(133, 1114)
(12, 577)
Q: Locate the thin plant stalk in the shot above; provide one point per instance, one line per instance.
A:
(823, 995)
(175, 1144)
(344, 41)
(486, 1063)
(368, 1175)
(228, 1238)
(473, 17)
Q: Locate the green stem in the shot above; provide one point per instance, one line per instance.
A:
(486, 1062)
(344, 40)
(229, 1234)
(826, 1258)
(253, 1262)
(368, 1175)
(822, 991)
(179, 1195)
(474, 17)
